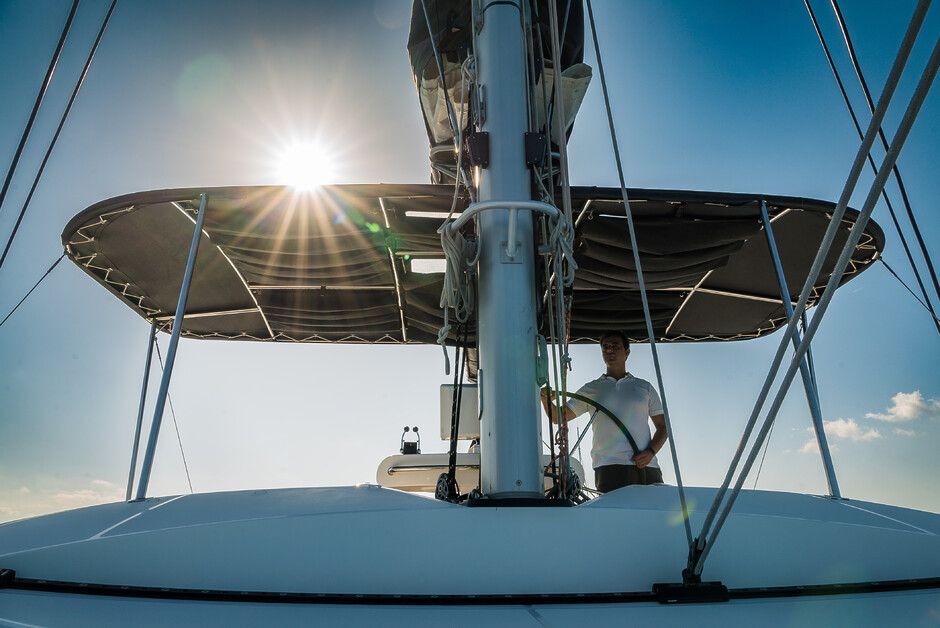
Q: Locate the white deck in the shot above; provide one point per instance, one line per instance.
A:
(371, 540)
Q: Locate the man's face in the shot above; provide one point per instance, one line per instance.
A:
(614, 352)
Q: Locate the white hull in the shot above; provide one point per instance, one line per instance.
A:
(376, 542)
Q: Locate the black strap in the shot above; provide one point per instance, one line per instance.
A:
(447, 488)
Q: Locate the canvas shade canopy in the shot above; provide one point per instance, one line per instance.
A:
(335, 265)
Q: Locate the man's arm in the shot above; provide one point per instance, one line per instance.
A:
(643, 458)
(569, 413)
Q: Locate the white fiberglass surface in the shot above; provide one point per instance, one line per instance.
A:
(363, 540)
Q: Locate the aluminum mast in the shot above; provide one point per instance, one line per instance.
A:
(510, 426)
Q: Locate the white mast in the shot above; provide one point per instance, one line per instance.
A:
(507, 334)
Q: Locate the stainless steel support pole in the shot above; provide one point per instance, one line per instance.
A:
(140, 410)
(510, 429)
(171, 354)
(809, 383)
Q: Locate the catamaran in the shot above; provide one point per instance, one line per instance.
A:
(532, 265)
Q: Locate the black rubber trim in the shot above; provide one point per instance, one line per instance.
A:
(876, 586)
(53, 586)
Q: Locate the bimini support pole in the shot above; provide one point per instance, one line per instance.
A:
(809, 384)
(171, 353)
(140, 410)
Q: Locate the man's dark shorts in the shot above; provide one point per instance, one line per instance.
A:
(614, 476)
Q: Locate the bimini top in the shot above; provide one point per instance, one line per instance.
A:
(339, 264)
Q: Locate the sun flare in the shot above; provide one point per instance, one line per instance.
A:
(306, 166)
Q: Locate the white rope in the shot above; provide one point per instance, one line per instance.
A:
(639, 272)
(460, 255)
(561, 251)
(562, 246)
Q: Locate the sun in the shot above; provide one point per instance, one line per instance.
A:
(306, 166)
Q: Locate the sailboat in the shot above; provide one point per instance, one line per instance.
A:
(276, 265)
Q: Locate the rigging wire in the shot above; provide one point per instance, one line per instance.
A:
(871, 160)
(884, 143)
(564, 275)
(764, 455)
(550, 193)
(175, 424)
(551, 339)
(639, 272)
(440, 70)
(559, 111)
(39, 99)
(46, 274)
(697, 551)
(700, 551)
(812, 372)
(530, 74)
(451, 114)
(68, 108)
(925, 306)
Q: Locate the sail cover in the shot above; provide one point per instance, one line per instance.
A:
(437, 55)
(342, 264)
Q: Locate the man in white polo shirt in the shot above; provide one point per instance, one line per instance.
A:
(636, 403)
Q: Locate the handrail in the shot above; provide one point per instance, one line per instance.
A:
(513, 207)
(430, 467)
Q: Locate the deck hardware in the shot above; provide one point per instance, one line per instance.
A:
(410, 446)
(478, 144)
(691, 592)
(535, 144)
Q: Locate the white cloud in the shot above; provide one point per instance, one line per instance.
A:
(25, 501)
(849, 429)
(810, 447)
(909, 406)
(905, 432)
(846, 429)
(103, 492)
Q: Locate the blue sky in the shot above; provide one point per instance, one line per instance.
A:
(712, 96)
